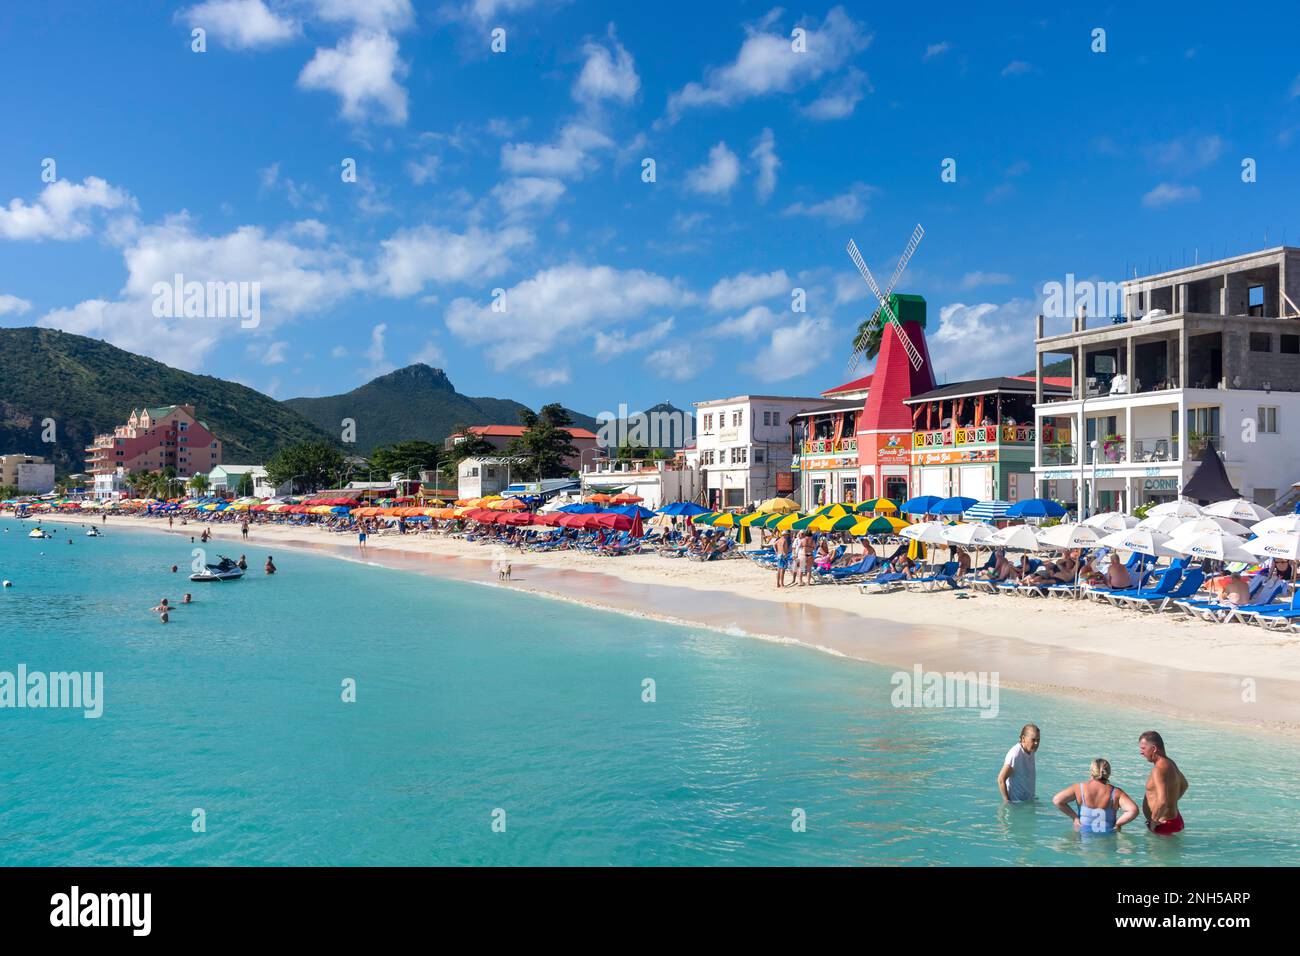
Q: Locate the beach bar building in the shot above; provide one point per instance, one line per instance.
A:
(977, 438)
(1206, 353)
(824, 445)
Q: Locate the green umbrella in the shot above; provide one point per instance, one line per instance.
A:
(833, 511)
(878, 504)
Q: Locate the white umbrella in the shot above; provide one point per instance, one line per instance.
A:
(1275, 544)
(1287, 523)
(968, 535)
(1141, 540)
(1066, 537)
(1179, 509)
(1111, 521)
(1165, 524)
(1016, 537)
(1210, 523)
(1215, 545)
(927, 532)
(1239, 509)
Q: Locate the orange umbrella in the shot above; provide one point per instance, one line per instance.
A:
(626, 499)
(508, 504)
(598, 499)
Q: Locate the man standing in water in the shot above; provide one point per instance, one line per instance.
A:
(1017, 778)
(1165, 787)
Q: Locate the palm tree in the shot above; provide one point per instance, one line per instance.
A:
(199, 482)
(867, 338)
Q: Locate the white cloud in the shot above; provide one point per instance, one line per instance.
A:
(1295, 87)
(1186, 154)
(430, 355)
(63, 210)
(12, 305)
(130, 325)
(749, 325)
(936, 49)
(481, 11)
(412, 258)
(716, 176)
(847, 207)
(1167, 193)
(1016, 68)
(423, 169)
(983, 340)
(764, 155)
(363, 71)
(973, 280)
(744, 289)
(371, 14)
(241, 24)
(794, 350)
(559, 306)
(272, 354)
(767, 63)
(840, 98)
(528, 194)
(298, 195)
(609, 345)
(679, 362)
(607, 74)
(567, 157)
(375, 354)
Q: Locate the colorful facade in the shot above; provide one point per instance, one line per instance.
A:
(152, 439)
(824, 446)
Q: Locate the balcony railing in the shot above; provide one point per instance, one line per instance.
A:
(1059, 455)
(829, 446)
(985, 435)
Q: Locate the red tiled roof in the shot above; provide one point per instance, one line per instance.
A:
(1057, 380)
(514, 431)
(854, 386)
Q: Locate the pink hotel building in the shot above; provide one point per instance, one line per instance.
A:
(153, 439)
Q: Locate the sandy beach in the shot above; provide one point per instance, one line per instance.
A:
(1233, 674)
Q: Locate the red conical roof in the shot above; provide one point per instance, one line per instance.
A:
(894, 379)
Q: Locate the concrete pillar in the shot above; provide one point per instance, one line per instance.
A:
(1130, 360)
(1038, 377)
(1128, 433)
(1182, 358)
(1181, 294)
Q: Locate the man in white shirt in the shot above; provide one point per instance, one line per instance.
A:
(1017, 778)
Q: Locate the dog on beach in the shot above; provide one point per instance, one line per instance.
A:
(503, 572)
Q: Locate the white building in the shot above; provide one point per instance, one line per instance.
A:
(479, 477)
(1209, 352)
(742, 445)
(658, 483)
(27, 473)
(110, 485)
(225, 479)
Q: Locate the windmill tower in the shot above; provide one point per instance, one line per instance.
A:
(903, 369)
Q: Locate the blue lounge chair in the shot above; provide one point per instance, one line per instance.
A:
(941, 578)
(1262, 598)
(863, 567)
(1167, 581)
(1155, 600)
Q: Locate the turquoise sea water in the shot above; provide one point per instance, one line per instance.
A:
(471, 699)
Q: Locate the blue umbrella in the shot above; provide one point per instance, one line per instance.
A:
(1036, 508)
(683, 508)
(952, 506)
(582, 509)
(919, 505)
(631, 511)
(988, 511)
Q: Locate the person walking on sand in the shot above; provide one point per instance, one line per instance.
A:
(1017, 779)
(1103, 807)
(1165, 787)
(243, 529)
(361, 537)
(782, 557)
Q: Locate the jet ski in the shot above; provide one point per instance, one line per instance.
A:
(93, 533)
(224, 570)
(38, 533)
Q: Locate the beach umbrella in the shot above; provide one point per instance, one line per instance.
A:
(580, 509)
(925, 532)
(1111, 521)
(788, 521)
(887, 505)
(1276, 544)
(1165, 524)
(1209, 523)
(514, 518)
(684, 508)
(600, 498)
(800, 523)
(1036, 508)
(994, 510)
(1179, 509)
(706, 518)
(833, 511)
(754, 518)
(631, 510)
(509, 504)
(1289, 524)
(829, 523)
(1140, 540)
(626, 498)
(919, 505)
(955, 505)
(968, 534)
(728, 519)
(783, 506)
(881, 524)
(1016, 537)
(1215, 545)
(1238, 509)
(1066, 537)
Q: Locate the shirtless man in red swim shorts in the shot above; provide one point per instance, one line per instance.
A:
(1165, 787)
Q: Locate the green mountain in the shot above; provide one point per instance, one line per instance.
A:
(87, 387)
(1059, 369)
(416, 402)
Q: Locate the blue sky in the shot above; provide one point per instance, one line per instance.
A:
(522, 171)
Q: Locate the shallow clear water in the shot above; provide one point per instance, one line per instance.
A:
(472, 698)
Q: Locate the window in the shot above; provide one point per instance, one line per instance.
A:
(1290, 345)
(1255, 300)
(736, 418)
(1268, 419)
(708, 422)
(739, 456)
(1261, 342)
(760, 455)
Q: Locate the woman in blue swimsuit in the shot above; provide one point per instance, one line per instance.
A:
(1103, 807)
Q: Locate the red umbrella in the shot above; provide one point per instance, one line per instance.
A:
(573, 521)
(626, 498)
(514, 518)
(616, 522)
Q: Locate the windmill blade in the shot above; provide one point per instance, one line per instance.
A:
(871, 281)
(913, 353)
(917, 235)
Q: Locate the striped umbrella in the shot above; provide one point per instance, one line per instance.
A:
(887, 505)
(882, 524)
(833, 511)
(988, 511)
(829, 523)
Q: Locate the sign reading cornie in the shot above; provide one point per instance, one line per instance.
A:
(1159, 484)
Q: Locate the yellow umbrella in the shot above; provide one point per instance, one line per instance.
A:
(749, 519)
(833, 511)
(785, 523)
(778, 506)
(883, 524)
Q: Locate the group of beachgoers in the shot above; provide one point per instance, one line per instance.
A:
(1096, 805)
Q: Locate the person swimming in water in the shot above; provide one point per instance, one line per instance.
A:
(1103, 807)
(162, 608)
(270, 565)
(1017, 778)
(187, 599)
(243, 563)
(1165, 787)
